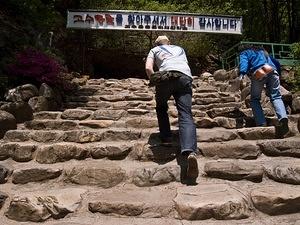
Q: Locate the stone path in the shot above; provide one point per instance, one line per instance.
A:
(100, 162)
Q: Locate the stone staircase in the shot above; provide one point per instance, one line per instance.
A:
(100, 162)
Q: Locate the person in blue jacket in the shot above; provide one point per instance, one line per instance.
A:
(256, 63)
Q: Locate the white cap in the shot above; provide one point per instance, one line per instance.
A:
(160, 39)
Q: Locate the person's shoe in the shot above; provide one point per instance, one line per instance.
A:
(282, 128)
(192, 169)
(166, 141)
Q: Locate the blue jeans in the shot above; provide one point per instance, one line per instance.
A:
(272, 90)
(181, 89)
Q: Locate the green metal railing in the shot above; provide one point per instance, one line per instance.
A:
(282, 52)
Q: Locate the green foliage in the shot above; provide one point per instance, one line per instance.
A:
(130, 5)
(39, 14)
(196, 45)
(295, 82)
(296, 50)
(26, 24)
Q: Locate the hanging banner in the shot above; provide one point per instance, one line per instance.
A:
(153, 21)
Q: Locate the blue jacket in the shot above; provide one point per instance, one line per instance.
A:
(251, 60)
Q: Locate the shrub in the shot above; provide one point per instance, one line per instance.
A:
(65, 82)
(36, 65)
(296, 81)
(296, 50)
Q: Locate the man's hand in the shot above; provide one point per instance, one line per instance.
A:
(243, 82)
(149, 66)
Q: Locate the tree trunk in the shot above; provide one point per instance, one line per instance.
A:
(276, 26)
(289, 6)
(267, 22)
(296, 20)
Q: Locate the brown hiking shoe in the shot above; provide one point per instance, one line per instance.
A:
(192, 169)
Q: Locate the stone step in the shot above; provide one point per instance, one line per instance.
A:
(248, 149)
(96, 94)
(147, 117)
(44, 115)
(72, 119)
(104, 163)
(96, 90)
(64, 151)
(118, 102)
(129, 134)
(122, 105)
(117, 86)
(78, 136)
(113, 97)
(107, 114)
(283, 170)
(281, 147)
(231, 110)
(142, 151)
(49, 124)
(90, 166)
(210, 200)
(98, 114)
(107, 166)
(128, 83)
(97, 173)
(81, 114)
(235, 170)
(83, 218)
(231, 149)
(198, 98)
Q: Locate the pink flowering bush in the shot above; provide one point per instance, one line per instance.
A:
(36, 65)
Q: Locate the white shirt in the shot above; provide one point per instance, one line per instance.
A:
(170, 58)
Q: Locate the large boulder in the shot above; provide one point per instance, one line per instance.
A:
(46, 91)
(22, 93)
(52, 95)
(3, 197)
(287, 73)
(13, 95)
(21, 110)
(4, 172)
(221, 75)
(296, 103)
(234, 85)
(80, 80)
(232, 74)
(7, 122)
(206, 76)
(41, 103)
